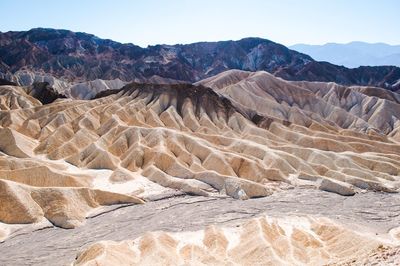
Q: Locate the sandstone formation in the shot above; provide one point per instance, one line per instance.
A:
(380, 256)
(13, 97)
(239, 134)
(367, 109)
(36, 82)
(260, 241)
(64, 207)
(47, 88)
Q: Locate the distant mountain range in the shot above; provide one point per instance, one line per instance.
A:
(353, 54)
(80, 57)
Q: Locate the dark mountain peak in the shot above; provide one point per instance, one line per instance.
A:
(44, 92)
(254, 41)
(78, 56)
(40, 35)
(201, 97)
(47, 34)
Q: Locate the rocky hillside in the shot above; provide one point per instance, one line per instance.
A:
(83, 57)
(333, 150)
(150, 141)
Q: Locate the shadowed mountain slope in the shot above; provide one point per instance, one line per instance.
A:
(82, 57)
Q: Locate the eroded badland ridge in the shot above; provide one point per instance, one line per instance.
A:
(241, 167)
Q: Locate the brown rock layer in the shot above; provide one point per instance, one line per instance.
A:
(260, 241)
(248, 136)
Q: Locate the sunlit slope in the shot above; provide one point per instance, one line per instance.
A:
(254, 135)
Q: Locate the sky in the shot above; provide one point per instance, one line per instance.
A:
(149, 22)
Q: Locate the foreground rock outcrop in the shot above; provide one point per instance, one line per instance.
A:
(259, 241)
(370, 215)
(63, 207)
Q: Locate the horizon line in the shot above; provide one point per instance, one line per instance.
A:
(208, 41)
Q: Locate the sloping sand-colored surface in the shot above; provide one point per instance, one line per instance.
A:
(249, 135)
(259, 241)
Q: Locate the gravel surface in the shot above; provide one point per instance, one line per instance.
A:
(55, 246)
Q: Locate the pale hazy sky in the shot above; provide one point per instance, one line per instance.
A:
(145, 22)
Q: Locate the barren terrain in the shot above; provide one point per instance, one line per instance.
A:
(242, 167)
